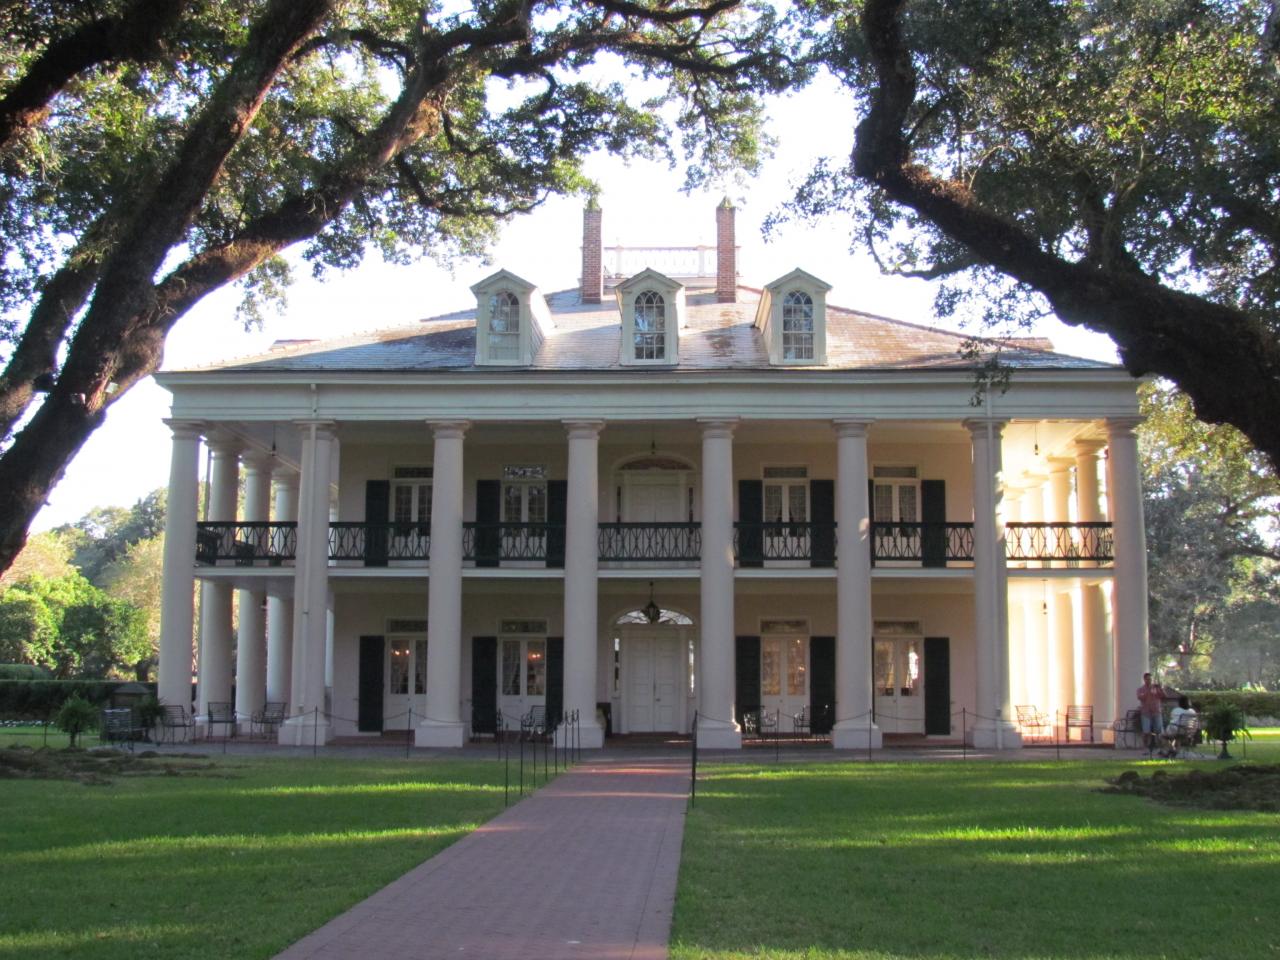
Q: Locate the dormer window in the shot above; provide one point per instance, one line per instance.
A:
(792, 319)
(797, 326)
(504, 326)
(650, 331)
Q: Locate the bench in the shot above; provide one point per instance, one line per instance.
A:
(1080, 718)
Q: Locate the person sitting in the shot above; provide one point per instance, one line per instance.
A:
(1179, 721)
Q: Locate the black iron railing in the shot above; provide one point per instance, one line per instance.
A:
(378, 543)
(493, 543)
(932, 544)
(650, 542)
(755, 542)
(1059, 541)
(246, 544)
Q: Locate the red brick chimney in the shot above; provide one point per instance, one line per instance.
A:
(726, 254)
(592, 284)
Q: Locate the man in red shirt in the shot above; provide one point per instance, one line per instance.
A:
(1151, 701)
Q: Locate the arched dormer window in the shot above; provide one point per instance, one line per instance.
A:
(504, 326)
(650, 326)
(797, 326)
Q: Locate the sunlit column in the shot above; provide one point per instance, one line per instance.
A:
(1036, 611)
(215, 595)
(1014, 616)
(717, 727)
(443, 725)
(280, 601)
(1131, 654)
(581, 562)
(853, 591)
(251, 617)
(177, 610)
(1095, 660)
(1058, 510)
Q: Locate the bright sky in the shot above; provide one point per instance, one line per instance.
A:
(129, 456)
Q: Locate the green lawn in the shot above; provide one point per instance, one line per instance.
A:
(37, 735)
(932, 861)
(235, 863)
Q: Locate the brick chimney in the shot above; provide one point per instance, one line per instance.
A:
(726, 254)
(592, 283)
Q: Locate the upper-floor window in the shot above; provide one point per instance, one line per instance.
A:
(524, 493)
(650, 326)
(411, 495)
(896, 494)
(797, 326)
(504, 326)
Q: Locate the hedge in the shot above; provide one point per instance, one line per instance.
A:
(1254, 703)
(22, 671)
(40, 699)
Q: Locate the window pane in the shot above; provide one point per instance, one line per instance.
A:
(911, 675)
(398, 681)
(798, 503)
(884, 502)
(537, 503)
(796, 666)
(511, 668)
(535, 677)
(424, 503)
(512, 502)
(773, 502)
(907, 504)
(402, 502)
(420, 667)
(884, 673)
(771, 667)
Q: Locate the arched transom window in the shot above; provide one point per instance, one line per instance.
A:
(504, 326)
(650, 326)
(797, 326)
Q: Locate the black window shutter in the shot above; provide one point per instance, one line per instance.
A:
(933, 512)
(555, 679)
(557, 508)
(370, 669)
(746, 677)
(937, 685)
(488, 534)
(822, 512)
(871, 517)
(822, 684)
(377, 517)
(750, 516)
(484, 685)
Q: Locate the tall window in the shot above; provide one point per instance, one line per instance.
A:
(650, 326)
(524, 494)
(897, 494)
(797, 326)
(504, 326)
(411, 495)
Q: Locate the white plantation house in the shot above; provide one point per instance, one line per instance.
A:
(659, 496)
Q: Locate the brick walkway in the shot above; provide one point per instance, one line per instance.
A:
(586, 867)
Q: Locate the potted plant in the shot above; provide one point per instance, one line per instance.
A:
(1223, 723)
(75, 716)
(147, 713)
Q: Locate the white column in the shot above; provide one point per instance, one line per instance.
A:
(717, 728)
(1036, 622)
(280, 603)
(215, 595)
(1015, 614)
(177, 608)
(1131, 654)
(251, 652)
(993, 728)
(581, 560)
(443, 725)
(1058, 510)
(310, 724)
(1095, 661)
(853, 728)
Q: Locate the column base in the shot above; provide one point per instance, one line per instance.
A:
(590, 736)
(852, 735)
(996, 735)
(433, 733)
(713, 735)
(304, 730)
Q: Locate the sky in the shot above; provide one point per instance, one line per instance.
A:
(642, 205)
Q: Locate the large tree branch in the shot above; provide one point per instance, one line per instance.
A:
(137, 34)
(1227, 361)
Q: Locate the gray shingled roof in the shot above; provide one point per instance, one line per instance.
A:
(717, 336)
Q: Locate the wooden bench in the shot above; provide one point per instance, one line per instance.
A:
(1080, 717)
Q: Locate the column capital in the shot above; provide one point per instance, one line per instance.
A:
(583, 429)
(718, 426)
(223, 446)
(851, 428)
(1060, 464)
(284, 475)
(185, 429)
(329, 428)
(977, 427)
(1089, 448)
(257, 460)
(449, 429)
(1122, 427)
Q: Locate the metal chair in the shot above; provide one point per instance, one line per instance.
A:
(1033, 724)
(1128, 729)
(800, 722)
(1080, 717)
(267, 720)
(1182, 738)
(533, 725)
(221, 713)
(173, 719)
(116, 725)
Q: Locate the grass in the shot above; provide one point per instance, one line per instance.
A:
(977, 859)
(235, 861)
(39, 735)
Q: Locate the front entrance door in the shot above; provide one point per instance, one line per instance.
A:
(655, 680)
(899, 684)
(653, 498)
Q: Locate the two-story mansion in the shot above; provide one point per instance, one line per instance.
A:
(660, 493)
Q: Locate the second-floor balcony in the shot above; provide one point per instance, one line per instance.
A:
(755, 544)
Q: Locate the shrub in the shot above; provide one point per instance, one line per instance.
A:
(40, 699)
(1254, 703)
(75, 716)
(22, 671)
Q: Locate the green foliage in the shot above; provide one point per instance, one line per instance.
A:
(103, 536)
(39, 700)
(75, 716)
(22, 671)
(1250, 703)
(1224, 722)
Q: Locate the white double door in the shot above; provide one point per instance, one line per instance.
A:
(899, 684)
(655, 679)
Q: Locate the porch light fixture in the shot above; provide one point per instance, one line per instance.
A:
(652, 612)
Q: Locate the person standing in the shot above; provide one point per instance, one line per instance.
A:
(1151, 703)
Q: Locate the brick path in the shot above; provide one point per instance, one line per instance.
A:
(586, 867)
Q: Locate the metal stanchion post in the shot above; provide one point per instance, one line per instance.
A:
(693, 766)
(315, 731)
(506, 774)
(1057, 742)
(522, 763)
(964, 733)
(408, 733)
(870, 723)
(777, 736)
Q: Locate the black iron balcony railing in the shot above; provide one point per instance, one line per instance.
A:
(931, 544)
(379, 543)
(1060, 541)
(489, 544)
(650, 542)
(246, 544)
(755, 542)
